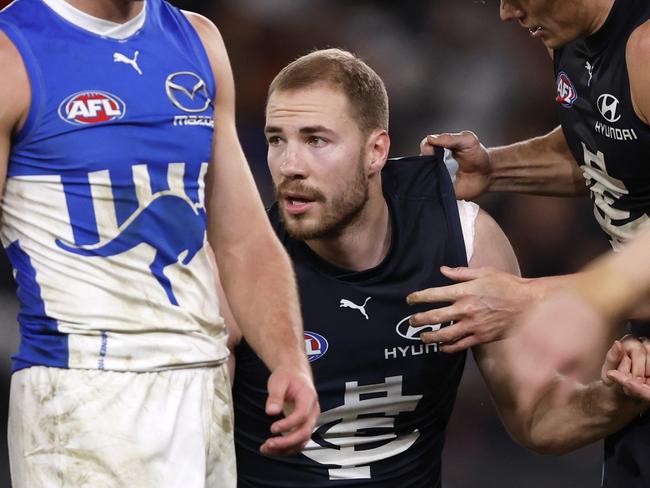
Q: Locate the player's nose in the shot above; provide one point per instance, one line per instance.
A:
(508, 11)
(292, 163)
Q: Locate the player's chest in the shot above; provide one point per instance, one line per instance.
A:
(598, 115)
(365, 328)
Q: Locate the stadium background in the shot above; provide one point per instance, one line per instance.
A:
(448, 65)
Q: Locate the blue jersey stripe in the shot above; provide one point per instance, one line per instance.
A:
(41, 342)
(82, 216)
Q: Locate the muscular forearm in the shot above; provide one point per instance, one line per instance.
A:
(618, 284)
(540, 166)
(571, 415)
(551, 413)
(260, 285)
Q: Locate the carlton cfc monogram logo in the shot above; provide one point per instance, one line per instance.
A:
(91, 107)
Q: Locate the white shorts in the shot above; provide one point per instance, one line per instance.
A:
(103, 429)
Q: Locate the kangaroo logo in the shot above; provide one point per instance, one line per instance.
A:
(184, 235)
(344, 303)
(121, 58)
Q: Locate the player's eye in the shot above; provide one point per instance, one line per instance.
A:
(273, 140)
(316, 141)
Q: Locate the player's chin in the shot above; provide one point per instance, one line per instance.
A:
(302, 228)
(553, 42)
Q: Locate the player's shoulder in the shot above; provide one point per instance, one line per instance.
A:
(413, 176)
(215, 50)
(638, 44)
(491, 246)
(205, 28)
(14, 96)
(637, 54)
(486, 226)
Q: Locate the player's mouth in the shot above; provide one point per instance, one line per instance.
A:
(296, 204)
(536, 31)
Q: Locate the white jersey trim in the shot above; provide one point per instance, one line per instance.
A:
(96, 25)
(468, 211)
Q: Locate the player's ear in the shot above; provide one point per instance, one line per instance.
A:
(378, 147)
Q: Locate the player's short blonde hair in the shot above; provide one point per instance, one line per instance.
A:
(343, 70)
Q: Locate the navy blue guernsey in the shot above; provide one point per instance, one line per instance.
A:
(613, 146)
(385, 397)
(606, 137)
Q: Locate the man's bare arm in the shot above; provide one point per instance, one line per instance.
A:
(255, 271)
(15, 98)
(545, 412)
(540, 166)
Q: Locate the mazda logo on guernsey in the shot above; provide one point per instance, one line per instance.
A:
(407, 331)
(91, 107)
(566, 92)
(608, 107)
(187, 91)
(315, 345)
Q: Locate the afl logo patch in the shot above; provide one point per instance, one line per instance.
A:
(407, 331)
(91, 107)
(566, 92)
(315, 346)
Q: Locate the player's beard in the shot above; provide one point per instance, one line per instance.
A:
(337, 212)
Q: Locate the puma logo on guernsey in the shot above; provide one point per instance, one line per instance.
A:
(184, 233)
(344, 303)
(590, 69)
(121, 58)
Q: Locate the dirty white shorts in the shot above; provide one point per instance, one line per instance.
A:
(102, 429)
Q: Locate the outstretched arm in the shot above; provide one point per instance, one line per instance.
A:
(614, 287)
(541, 166)
(542, 408)
(255, 271)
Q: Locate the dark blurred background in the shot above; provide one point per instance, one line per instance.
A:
(448, 65)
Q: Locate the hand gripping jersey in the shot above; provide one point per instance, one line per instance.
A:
(605, 135)
(103, 214)
(613, 146)
(385, 396)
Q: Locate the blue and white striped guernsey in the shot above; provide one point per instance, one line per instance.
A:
(103, 214)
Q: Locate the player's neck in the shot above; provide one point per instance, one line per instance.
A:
(601, 10)
(118, 11)
(364, 243)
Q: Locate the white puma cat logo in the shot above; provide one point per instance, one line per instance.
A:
(121, 58)
(590, 70)
(361, 308)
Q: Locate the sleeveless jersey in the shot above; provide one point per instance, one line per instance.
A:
(613, 146)
(103, 214)
(385, 396)
(604, 133)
